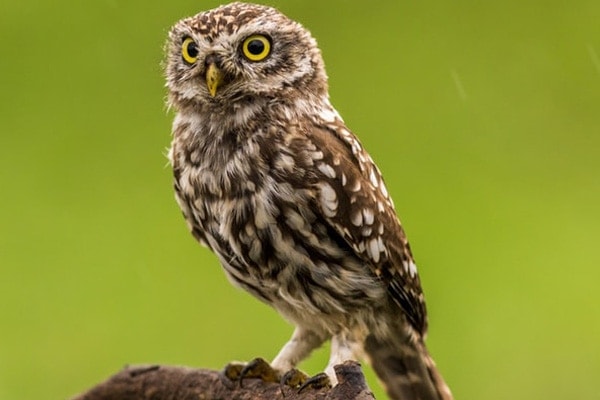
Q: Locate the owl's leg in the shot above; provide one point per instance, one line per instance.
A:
(301, 344)
(343, 348)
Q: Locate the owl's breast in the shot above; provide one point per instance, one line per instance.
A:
(254, 206)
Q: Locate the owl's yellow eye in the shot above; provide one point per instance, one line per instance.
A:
(189, 50)
(256, 47)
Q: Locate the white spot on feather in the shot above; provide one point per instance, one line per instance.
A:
(373, 250)
(368, 216)
(357, 218)
(329, 202)
(317, 155)
(356, 187)
(327, 170)
(383, 189)
(382, 247)
(411, 268)
(346, 133)
(361, 247)
(374, 178)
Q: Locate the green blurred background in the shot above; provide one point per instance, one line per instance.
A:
(483, 116)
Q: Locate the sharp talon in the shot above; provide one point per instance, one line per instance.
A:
(233, 370)
(258, 368)
(293, 378)
(318, 381)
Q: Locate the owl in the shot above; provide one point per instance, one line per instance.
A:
(270, 179)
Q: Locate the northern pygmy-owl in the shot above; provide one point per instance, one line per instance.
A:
(272, 181)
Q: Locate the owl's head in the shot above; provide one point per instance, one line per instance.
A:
(241, 52)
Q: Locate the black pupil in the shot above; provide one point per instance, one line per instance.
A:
(192, 50)
(256, 47)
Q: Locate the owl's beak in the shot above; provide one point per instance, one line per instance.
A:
(214, 78)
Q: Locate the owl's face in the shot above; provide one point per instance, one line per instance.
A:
(240, 52)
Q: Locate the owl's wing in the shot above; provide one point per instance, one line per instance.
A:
(353, 199)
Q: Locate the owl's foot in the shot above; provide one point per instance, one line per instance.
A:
(299, 381)
(261, 369)
(294, 378)
(257, 368)
(318, 381)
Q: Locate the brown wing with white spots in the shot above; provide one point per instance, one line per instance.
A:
(354, 201)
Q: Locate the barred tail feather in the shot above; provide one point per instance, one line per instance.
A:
(406, 369)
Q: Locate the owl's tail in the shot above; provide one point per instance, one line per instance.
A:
(406, 369)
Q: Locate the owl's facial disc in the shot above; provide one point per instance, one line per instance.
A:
(238, 53)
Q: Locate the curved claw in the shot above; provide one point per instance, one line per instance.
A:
(258, 368)
(293, 378)
(318, 381)
(233, 370)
